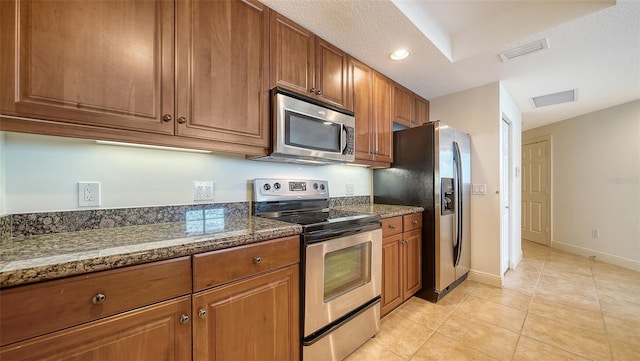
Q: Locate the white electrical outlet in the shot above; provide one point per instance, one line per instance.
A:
(88, 194)
(595, 233)
(348, 189)
(203, 190)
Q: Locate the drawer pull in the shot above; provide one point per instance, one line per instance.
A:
(415, 221)
(98, 299)
(202, 313)
(167, 118)
(182, 120)
(257, 260)
(392, 226)
(184, 319)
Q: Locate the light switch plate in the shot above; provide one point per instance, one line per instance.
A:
(348, 189)
(479, 189)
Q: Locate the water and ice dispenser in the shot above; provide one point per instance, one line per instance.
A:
(447, 196)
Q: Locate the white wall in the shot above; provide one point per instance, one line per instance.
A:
(477, 111)
(2, 176)
(596, 183)
(509, 109)
(42, 174)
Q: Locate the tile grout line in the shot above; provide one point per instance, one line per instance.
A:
(604, 324)
(533, 294)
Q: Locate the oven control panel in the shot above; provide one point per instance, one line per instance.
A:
(269, 189)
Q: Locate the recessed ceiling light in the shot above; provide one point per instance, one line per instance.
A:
(399, 54)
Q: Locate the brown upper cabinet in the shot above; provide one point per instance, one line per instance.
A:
(370, 99)
(223, 71)
(421, 113)
(306, 64)
(410, 110)
(403, 106)
(118, 70)
(108, 64)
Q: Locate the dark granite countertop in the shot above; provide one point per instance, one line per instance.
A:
(383, 210)
(29, 259)
(36, 258)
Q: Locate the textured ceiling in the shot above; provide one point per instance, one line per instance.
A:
(594, 47)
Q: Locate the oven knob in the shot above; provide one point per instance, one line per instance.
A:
(276, 185)
(315, 185)
(266, 187)
(321, 187)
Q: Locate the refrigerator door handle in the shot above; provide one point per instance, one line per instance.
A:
(457, 247)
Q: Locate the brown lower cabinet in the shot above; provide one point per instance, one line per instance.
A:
(244, 307)
(254, 319)
(401, 260)
(150, 333)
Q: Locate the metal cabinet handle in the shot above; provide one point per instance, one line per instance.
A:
(392, 226)
(98, 299)
(184, 319)
(202, 313)
(312, 90)
(415, 222)
(257, 260)
(318, 92)
(182, 120)
(167, 118)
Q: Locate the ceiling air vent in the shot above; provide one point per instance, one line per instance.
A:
(525, 49)
(556, 98)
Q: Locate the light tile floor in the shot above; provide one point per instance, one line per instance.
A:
(555, 306)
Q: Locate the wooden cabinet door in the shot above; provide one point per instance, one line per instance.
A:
(382, 101)
(360, 78)
(292, 55)
(331, 74)
(149, 333)
(403, 106)
(222, 74)
(253, 319)
(421, 111)
(412, 280)
(391, 273)
(102, 63)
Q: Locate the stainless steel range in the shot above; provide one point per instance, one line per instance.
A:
(341, 265)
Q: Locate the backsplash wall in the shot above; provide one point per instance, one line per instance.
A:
(42, 173)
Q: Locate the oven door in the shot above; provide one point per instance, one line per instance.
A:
(341, 274)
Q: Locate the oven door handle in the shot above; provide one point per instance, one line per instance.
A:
(325, 235)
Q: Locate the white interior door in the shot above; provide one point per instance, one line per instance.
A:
(535, 192)
(505, 199)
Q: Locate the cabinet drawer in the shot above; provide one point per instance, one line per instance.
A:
(33, 310)
(218, 267)
(391, 226)
(412, 221)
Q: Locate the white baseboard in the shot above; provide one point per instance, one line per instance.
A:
(599, 256)
(486, 278)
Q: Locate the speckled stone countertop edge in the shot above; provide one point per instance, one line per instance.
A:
(54, 267)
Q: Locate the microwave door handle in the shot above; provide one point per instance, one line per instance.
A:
(343, 138)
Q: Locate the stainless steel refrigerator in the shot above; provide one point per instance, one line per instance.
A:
(431, 168)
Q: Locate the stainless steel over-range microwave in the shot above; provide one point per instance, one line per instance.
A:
(308, 131)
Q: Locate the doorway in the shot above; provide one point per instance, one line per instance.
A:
(535, 191)
(505, 196)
